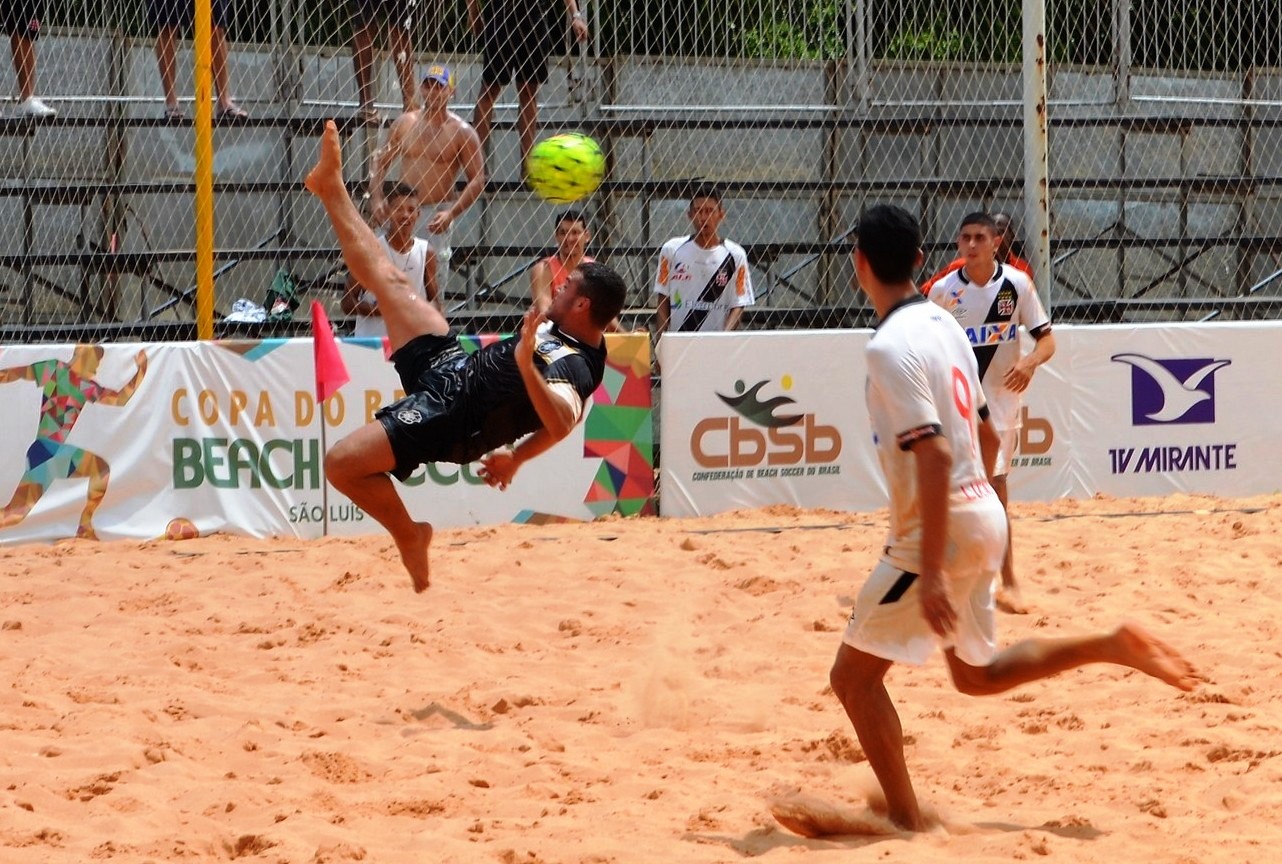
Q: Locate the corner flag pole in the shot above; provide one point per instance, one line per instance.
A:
(331, 373)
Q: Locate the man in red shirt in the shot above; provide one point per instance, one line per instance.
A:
(1005, 238)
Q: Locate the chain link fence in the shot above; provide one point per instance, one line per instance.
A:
(1163, 143)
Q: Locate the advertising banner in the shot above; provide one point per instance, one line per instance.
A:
(1121, 410)
(146, 441)
(1043, 468)
(1164, 409)
(750, 419)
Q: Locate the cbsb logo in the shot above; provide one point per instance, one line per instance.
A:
(1178, 391)
(1036, 435)
(785, 438)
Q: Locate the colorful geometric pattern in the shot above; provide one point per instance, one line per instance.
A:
(536, 517)
(49, 460)
(251, 349)
(472, 344)
(65, 394)
(619, 430)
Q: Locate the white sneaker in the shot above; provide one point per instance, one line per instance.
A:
(35, 109)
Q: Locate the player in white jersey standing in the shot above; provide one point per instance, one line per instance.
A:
(934, 583)
(992, 301)
(703, 282)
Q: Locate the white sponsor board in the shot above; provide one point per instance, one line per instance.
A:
(227, 436)
(224, 436)
(1043, 468)
(1122, 410)
(1163, 409)
(750, 419)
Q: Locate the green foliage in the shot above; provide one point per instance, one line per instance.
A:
(816, 33)
(936, 41)
(1204, 35)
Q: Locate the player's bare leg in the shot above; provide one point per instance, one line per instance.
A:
(1034, 659)
(1008, 598)
(24, 498)
(99, 473)
(858, 680)
(407, 315)
(527, 118)
(361, 252)
(357, 466)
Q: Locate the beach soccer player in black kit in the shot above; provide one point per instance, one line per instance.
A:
(460, 407)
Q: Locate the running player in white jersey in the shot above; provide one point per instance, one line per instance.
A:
(992, 301)
(934, 585)
(703, 282)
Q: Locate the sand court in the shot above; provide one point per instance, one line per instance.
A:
(625, 691)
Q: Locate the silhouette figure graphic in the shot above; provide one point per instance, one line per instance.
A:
(66, 387)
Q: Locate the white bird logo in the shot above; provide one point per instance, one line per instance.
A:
(1178, 397)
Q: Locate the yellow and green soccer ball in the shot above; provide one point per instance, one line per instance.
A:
(565, 168)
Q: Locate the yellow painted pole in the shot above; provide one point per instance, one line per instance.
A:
(204, 172)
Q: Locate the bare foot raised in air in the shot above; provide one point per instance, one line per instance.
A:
(1141, 650)
(413, 551)
(327, 174)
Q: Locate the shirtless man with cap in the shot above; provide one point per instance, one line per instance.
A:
(433, 145)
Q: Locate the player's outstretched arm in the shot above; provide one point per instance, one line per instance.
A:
(16, 373)
(382, 162)
(124, 394)
(500, 466)
(556, 416)
(541, 286)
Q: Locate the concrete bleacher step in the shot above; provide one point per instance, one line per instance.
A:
(52, 176)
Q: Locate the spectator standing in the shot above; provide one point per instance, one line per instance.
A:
(516, 42)
(22, 22)
(703, 283)
(549, 275)
(167, 17)
(396, 17)
(434, 145)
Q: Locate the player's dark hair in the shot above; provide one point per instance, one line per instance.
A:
(980, 218)
(705, 190)
(398, 190)
(605, 290)
(890, 238)
(572, 216)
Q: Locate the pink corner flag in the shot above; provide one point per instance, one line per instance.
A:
(331, 372)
